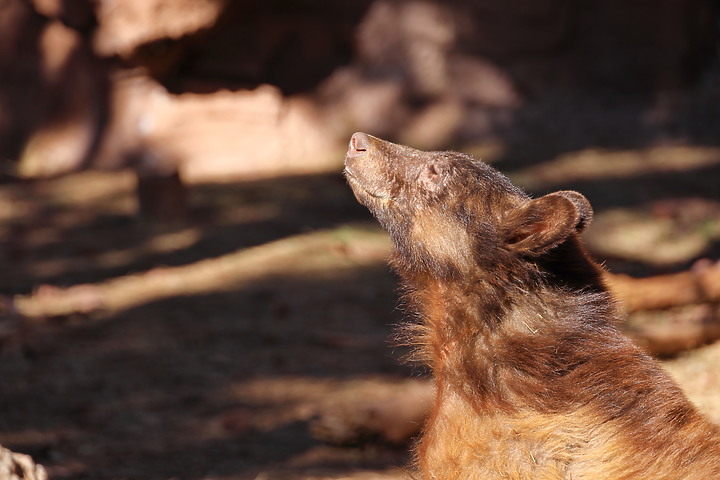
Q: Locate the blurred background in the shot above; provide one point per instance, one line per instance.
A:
(189, 289)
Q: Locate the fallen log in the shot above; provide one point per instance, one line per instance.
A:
(668, 332)
(700, 284)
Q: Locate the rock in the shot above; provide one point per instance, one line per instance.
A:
(76, 14)
(125, 25)
(16, 466)
(249, 133)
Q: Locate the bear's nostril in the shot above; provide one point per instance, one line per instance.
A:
(359, 142)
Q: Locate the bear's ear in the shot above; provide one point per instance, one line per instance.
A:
(432, 176)
(543, 223)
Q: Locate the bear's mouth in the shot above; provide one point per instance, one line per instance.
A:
(357, 184)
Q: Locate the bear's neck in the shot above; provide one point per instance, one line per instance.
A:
(494, 341)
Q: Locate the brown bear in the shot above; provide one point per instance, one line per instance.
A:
(533, 379)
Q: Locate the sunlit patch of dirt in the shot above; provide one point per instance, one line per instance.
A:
(599, 164)
(699, 375)
(664, 233)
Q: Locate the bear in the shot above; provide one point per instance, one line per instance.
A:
(533, 378)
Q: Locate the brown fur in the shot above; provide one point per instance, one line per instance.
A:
(533, 380)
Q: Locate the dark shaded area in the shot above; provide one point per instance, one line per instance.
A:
(158, 391)
(647, 188)
(568, 121)
(141, 392)
(267, 210)
(292, 45)
(20, 69)
(50, 77)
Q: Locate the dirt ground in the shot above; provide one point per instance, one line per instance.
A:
(206, 349)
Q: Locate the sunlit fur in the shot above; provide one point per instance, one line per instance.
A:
(533, 380)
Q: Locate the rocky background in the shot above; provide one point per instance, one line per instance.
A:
(214, 87)
(189, 290)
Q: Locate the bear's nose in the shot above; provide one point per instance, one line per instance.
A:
(359, 143)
